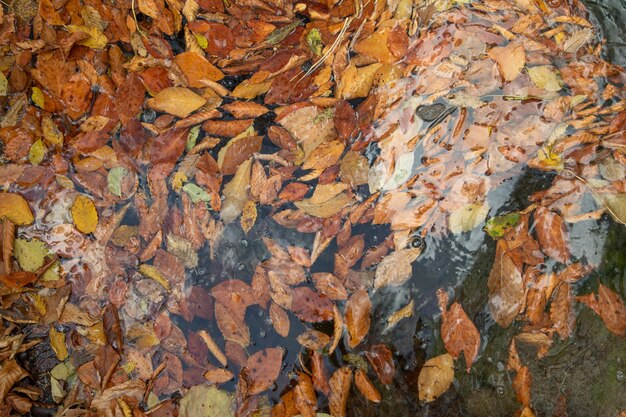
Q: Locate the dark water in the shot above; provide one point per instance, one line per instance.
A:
(610, 17)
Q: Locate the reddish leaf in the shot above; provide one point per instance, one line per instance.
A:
(552, 234)
(458, 332)
(18, 279)
(310, 306)
(381, 359)
(264, 367)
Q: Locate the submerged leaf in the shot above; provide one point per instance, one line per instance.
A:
(435, 377)
(84, 214)
(15, 209)
(510, 59)
(497, 226)
(207, 401)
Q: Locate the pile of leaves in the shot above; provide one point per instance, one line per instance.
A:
(133, 132)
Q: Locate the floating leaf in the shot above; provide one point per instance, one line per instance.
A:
(30, 254)
(435, 377)
(248, 216)
(506, 287)
(15, 209)
(552, 234)
(365, 386)
(339, 383)
(264, 367)
(84, 214)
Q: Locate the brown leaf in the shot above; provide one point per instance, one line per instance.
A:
(236, 151)
(324, 155)
(365, 386)
(18, 279)
(177, 101)
(168, 147)
(358, 316)
(552, 234)
(574, 272)
(561, 312)
(245, 109)
(232, 324)
(7, 239)
(506, 287)
(381, 359)
(310, 306)
(280, 319)
(10, 373)
(264, 367)
(339, 384)
(227, 128)
(521, 385)
(610, 307)
(218, 375)
(294, 191)
(458, 332)
(112, 327)
(196, 69)
(396, 269)
(318, 373)
(306, 401)
(313, 339)
(329, 285)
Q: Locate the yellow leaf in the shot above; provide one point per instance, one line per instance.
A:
(125, 408)
(357, 82)
(37, 97)
(178, 101)
(154, 273)
(435, 377)
(96, 39)
(177, 180)
(248, 216)
(37, 152)
(15, 209)
(51, 132)
(84, 214)
(57, 341)
(545, 77)
(4, 84)
(202, 40)
(248, 91)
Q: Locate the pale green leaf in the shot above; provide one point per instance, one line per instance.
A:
(207, 401)
(314, 40)
(30, 254)
(114, 180)
(196, 193)
(497, 226)
(192, 137)
(467, 218)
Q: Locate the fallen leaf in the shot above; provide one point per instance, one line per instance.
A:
(329, 285)
(15, 209)
(57, 341)
(468, 217)
(84, 214)
(207, 401)
(396, 268)
(264, 367)
(458, 332)
(177, 101)
(339, 384)
(506, 287)
(280, 319)
(435, 377)
(521, 385)
(545, 77)
(358, 316)
(365, 386)
(311, 307)
(10, 373)
(552, 234)
(313, 339)
(510, 60)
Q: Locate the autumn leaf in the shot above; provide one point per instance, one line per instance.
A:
(552, 234)
(506, 288)
(396, 269)
(10, 373)
(339, 383)
(57, 341)
(7, 239)
(207, 401)
(15, 209)
(458, 332)
(358, 316)
(435, 377)
(18, 279)
(264, 367)
(280, 319)
(521, 385)
(610, 307)
(310, 306)
(365, 386)
(84, 214)
(178, 101)
(510, 60)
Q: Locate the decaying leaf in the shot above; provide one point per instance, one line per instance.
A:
(458, 332)
(510, 60)
(264, 367)
(340, 383)
(207, 401)
(396, 269)
(358, 316)
(506, 288)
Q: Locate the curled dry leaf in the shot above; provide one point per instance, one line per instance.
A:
(365, 386)
(435, 377)
(358, 316)
(339, 384)
(15, 209)
(458, 332)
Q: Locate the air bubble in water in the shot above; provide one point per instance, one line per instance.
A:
(500, 390)
(620, 375)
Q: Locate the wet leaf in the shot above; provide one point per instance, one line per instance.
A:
(435, 377)
(358, 316)
(84, 214)
(506, 288)
(458, 332)
(521, 385)
(545, 77)
(238, 150)
(37, 97)
(339, 383)
(207, 401)
(610, 307)
(30, 254)
(10, 373)
(236, 192)
(37, 152)
(15, 209)
(18, 279)
(396, 269)
(218, 375)
(497, 226)
(365, 386)
(313, 339)
(96, 39)
(552, 234)
(310, 306)
(177, 101)
(264, 367)
(329, 285)
(248, 216)
(196, 193)
(510, 60)
(468, 217)
(314, 40)
(114, 180)
(280, 319)
(57, 341)
(7, 244)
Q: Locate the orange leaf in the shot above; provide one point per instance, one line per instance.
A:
(306, 401)
(510, 60)
(366, 387)
(561, 312)
(18, 279)
(552, 234)
(381, 359)
(458, 332)
(521, 385)
(358, 310)
(280, 319)
(7, 239)
(339, 389)
(196, 69)
(329, 285)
